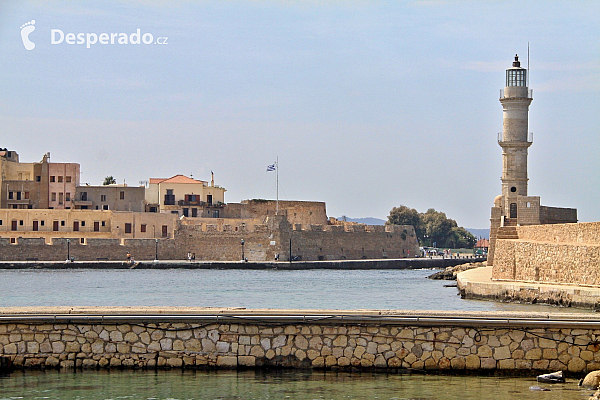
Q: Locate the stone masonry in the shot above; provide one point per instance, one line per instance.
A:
(376, 345)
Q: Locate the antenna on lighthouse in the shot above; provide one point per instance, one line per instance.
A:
(527, 64)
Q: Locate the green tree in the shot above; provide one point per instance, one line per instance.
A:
(432, 227)
(109, 180)
(403, 216)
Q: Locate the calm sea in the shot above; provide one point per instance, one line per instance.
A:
(310, 289)
(297, 385)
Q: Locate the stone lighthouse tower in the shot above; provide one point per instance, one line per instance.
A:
(514, 206)
(515, 139)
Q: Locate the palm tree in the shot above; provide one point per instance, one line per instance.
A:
(109, 180)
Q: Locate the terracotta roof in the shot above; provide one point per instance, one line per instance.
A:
(483, 243)
(176, 179)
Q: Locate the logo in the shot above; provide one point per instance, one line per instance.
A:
(26, 29)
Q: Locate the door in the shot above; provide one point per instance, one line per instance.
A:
(55, 226)
(35, 225)
(513, 210)
(209, 199)
(13, 225)
(164, 231)
(75, 226)
(96, 226)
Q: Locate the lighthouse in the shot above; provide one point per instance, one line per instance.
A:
(515, 207)
(515, 138)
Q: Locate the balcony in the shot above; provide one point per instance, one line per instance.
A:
(529, 95)
(508, 143)
(196, 203)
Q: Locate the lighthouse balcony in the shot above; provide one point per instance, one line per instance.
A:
(515, 142)
(516, 92)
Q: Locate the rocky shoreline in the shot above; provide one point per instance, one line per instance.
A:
(450, 272)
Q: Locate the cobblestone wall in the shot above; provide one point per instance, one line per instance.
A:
(311, 345)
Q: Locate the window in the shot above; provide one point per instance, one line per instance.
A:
(18, 195)
(105, 206)
(143, 228)
(53, 196)
(52, 178)
(10, 195)
(83, 196)
(68, 179)
(60, 179)
(42, 223)
(38, 178)
(67, 196)
(21, 222)
(103, 223)
(127, 228)
(62, 223)
(0, 222)
(60, 198)
(122, 195)
(26, 195)
(82, 223)
(102, 197)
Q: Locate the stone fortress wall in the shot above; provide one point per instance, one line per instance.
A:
(556, 253)
(218, 239)
(370, 342)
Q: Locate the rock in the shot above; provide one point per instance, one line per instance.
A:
(450, 272)
(591, 380)
(555, 377)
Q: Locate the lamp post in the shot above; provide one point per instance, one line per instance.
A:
(68, 250)
(242, 243)
(155, 249)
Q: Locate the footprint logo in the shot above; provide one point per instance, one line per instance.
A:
(26, 29)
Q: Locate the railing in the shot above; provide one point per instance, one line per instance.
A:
(529, 138)
(529, 94)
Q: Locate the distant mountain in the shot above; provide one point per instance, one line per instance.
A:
(483, 233)
(367, 220)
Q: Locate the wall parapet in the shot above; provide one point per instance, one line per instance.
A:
(310, 339)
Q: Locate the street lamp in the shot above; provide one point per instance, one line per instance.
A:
(68, 250)
(242, 243)
(155, 250)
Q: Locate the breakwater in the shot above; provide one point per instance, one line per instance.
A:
(402, 263)
(95, 338)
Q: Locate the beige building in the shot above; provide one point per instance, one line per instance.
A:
(36, 185)
(84, 224)
(185, 196)
(514, 207)
(117, 197)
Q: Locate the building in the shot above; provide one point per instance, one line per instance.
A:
(514, 207)
(37, 185)
(185, 196)
(111, 197)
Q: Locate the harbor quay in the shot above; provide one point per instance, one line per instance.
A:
(236, 338)
(402, 263)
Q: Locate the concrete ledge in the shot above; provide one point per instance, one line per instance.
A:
(478, 284)
(402, 263)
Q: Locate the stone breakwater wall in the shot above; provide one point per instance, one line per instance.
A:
(357, 342)
(561, 253)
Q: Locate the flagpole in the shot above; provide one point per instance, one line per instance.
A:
(277, 185)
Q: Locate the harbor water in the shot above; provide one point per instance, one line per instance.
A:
(311, 289)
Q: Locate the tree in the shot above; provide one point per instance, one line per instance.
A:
(403, 216)
(433, 228)
(109, 180)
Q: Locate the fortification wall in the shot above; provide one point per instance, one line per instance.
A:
(375, 342)
(353, 242)
(558, 253)
(220, 240)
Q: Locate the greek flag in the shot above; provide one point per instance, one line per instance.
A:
(271, 167)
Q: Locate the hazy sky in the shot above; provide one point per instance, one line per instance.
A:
(367, 104)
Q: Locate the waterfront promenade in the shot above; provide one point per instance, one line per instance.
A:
(477, 283)
(401, 263)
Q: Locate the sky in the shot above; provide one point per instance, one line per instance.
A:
(366, 105)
